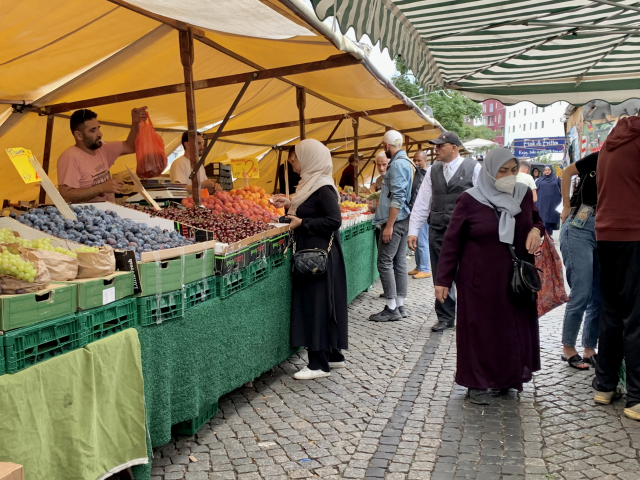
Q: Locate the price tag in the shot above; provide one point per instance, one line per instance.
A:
(108, 295)
(245, 167)
(20, 159)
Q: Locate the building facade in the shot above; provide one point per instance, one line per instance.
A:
(493, 116)
(526, 120)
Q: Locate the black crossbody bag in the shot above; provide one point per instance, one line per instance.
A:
(525, 279)
(311, 262)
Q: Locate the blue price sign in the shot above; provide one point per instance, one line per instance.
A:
(534, 147)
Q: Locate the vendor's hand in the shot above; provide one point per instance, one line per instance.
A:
(295, 222)
(387, 233)
(138, 115)
(112, 186)
(533, 241)
(412, 242)
(280, 202)
(441, 293)
(565, 213)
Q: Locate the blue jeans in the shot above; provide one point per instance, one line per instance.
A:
(423, 263)
(580, 256)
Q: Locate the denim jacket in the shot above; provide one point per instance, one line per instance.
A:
(396, 189)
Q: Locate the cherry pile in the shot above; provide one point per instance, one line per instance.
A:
(226, 227)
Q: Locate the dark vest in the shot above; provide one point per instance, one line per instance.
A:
(444, 195)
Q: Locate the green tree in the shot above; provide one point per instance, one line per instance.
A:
(450, 107)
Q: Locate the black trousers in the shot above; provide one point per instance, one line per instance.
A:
(446, 311)
(619, 317)
(319, 359)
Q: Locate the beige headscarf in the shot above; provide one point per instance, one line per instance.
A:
(315, 172)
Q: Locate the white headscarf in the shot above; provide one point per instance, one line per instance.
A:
(316, 170)
(487, 193)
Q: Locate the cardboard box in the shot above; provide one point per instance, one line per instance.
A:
(11, 471)
(97, 292)
(18, 311)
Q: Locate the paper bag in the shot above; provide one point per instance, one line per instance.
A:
(62, 268)
(42, 280)
(98, 264)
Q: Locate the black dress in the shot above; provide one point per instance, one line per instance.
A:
(319, 305)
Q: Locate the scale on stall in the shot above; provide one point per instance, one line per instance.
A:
(159, 191)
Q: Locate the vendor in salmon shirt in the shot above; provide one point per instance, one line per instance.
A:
(83, 169)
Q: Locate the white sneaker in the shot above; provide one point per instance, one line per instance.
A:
(307, 374)
(337, 364)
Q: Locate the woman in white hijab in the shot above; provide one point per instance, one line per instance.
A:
(497, 337)
(319, 304)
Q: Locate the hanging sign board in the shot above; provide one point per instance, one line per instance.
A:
(20, 159)
(245, 167)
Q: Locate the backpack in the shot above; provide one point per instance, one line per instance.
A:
(416, 182)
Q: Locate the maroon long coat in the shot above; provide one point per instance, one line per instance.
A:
(498, 341)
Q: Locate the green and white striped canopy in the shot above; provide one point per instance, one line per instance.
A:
(512, 50)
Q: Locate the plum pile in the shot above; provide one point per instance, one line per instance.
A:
(95, 228)
(226, 227)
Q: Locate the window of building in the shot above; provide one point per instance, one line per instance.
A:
(524, 127)
(536, 109)
(499, 117)
(553, 120)
(542, 124)
(530, 126)
(484, 108)
(542, 109)
(491, 108)
(536, 125)
(525, 111)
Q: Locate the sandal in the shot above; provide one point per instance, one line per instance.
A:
(575, 361)
(591, 360)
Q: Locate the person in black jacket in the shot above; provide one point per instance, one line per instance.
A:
(319, 303)
(294, 177)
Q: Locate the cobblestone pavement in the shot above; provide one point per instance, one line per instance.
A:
(395, 413)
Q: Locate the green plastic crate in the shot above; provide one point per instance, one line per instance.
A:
(97, 292)
(28, 346)
(198, 266)
(18, 311)
(191, 427)
(200, 291)
(258, 270)
(101, 322)
(361, 227)
(346, 234)
(232, 282)
(164, 276)
(171, 308)
(369, 226)
(278, 260)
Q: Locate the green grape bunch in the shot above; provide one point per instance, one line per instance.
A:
(7, 236)
(11, 264)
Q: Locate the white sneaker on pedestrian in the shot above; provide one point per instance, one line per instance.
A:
(337, 364)
(307, 374)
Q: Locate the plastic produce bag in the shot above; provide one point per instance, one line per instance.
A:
(96, 264)
(150, 155)
(552, 294)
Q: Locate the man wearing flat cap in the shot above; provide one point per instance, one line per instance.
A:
(443, 183)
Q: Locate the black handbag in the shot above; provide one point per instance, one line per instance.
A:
(311, 262)
(525, 279)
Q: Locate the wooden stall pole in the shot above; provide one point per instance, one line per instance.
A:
(275, 183)
(335, 129)
(286, 181)
(46, 156)
(301, 102)
(356, 123)
(186, 58)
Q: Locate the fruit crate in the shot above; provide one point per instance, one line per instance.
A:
(101, 322)
(28, 346)
(361, 227)
(198, 266)
(171, 308)
(200, 291)
(191, 427)
(22, 310)
(258, 270)
(232, 282)
(163, 276)
(346, 234)
(369, 226)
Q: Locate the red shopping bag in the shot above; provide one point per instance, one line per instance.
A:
(552, 294)
(150, 156)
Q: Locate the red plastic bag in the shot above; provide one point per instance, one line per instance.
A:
(150, 156)
(552, 294)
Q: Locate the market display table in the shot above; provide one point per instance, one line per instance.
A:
(188, 363)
